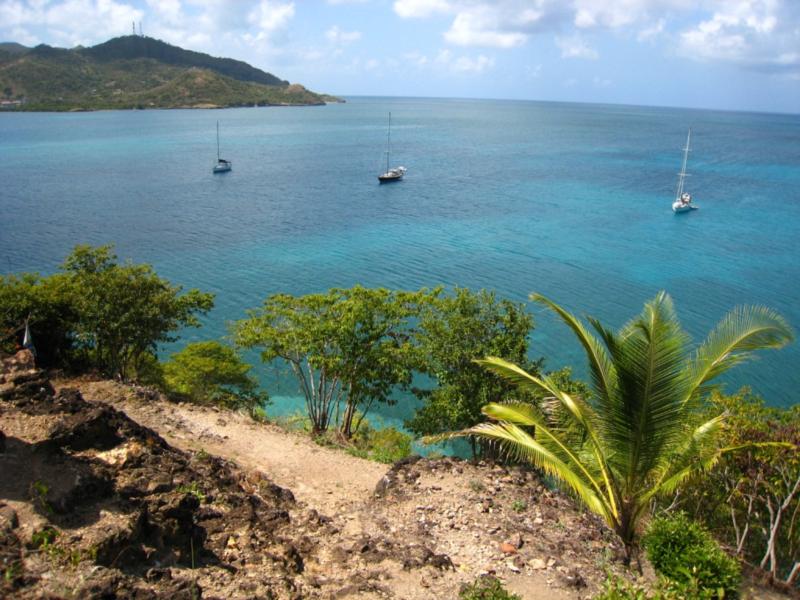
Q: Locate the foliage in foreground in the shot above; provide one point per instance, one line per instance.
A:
(751, 498)
(486, 588)
(684, 552)
(97, 313)
(381, 444)
(347, 348)
(452, 331)
(212, 373)
(126, 310)
(638, 435)
(385, 445)
(618, 588)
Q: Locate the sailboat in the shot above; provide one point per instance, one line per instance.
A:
(222, 166)
(394, 173)
(683, 199)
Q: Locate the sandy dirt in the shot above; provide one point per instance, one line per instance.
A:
(465, 513)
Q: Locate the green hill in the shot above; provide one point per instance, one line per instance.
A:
(137, 72)
(13, 48)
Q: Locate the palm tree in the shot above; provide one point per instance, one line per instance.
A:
(640, 434)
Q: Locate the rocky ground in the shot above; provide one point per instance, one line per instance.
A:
(109, 491)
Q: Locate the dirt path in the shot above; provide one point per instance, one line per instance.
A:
(342, 487)
(329, 480)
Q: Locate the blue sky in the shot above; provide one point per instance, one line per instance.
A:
(728, 54)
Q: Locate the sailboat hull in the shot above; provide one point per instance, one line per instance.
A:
(389, 178)
(677, 207)
(395, 174)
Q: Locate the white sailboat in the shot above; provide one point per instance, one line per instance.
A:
(683, 199)
(222, 166)
(394, 173)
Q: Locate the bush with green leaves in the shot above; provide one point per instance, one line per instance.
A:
(684, 552)
(125, 310)
(388, 445)
(213, 373)
(486, 588)
(619, 588)
(97, 313)
(751, 497)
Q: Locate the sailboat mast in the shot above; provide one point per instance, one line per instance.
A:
(388, 142)
(217, 141)
(683, 166)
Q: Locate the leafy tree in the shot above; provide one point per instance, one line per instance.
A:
(751, 498)
(348, 348)
(640, 431)
(125, 310)
(452, 332)
(47, 304)
(212, 373)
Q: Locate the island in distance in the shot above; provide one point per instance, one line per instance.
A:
(137, 72)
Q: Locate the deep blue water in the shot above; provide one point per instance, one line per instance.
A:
(570, 200)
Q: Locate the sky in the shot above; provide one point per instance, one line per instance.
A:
(719, 54)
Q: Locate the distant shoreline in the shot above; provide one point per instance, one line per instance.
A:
(76, 109)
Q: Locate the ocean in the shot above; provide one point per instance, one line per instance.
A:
(569, 200)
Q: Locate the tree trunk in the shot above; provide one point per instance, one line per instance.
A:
(347, 420)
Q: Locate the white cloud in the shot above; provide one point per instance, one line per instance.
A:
(445, 59)
(23, 36)
(479, 28)
(271, 16)
(71, 22)
(758, 34)
(336, 35)
(498, 24)
(465, 64)
(419, 9)
(575, 46)
(171, 11)
(416, 58)
(652, 31)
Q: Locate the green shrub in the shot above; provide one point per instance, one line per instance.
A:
(685, 553)
(212, 373)
(389, 445)
(618, 588)
(486, 588)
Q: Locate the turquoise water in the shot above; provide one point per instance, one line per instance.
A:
(569, 200)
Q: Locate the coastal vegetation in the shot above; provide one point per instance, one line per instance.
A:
(649, 443)
(750, 500)
(138, 72)
(643, 432)
(348, 349)
(685, 553)
(212, 373)
(97, 313)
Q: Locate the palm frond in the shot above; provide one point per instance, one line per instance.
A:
(521, 414)
(698, 453)
(650, 418)
(579, 411)
(522, 446)
(742, 331)
(601, 367)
